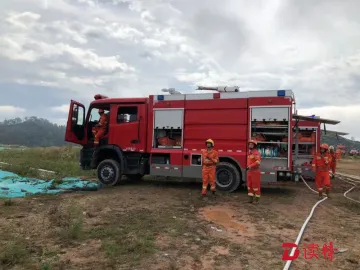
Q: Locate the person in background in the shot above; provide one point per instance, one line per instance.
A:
(210, 158)
(253, 172)
(321, 166)
(100, 129)
(333, 160)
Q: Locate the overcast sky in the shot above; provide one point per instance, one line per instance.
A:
(52, 51)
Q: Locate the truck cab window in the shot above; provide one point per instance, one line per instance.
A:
(94, 115)
(78, 115)
(127, 114)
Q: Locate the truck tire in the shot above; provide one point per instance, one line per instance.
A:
(108, 172)
(227, 177)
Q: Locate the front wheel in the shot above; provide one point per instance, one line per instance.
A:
(108, 172)
(227, 177)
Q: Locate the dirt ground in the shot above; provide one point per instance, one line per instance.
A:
(157, 225)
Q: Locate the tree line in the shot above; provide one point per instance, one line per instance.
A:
(31, 132)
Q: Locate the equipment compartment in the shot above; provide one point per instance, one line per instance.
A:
(168, 128)
(307, 142)
(306, 139)
(270, 128)
(272, 138)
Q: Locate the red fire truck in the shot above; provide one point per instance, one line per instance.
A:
(163, 135)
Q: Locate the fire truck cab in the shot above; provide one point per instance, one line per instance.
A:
(163, 135)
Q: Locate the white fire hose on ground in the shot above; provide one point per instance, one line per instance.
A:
(350, 181)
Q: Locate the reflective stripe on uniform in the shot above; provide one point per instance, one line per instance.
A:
(204, 187)
(258, 196)
(251, 194)
(255, 189)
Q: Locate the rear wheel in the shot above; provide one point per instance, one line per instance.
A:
(227, 177)
(108, 172)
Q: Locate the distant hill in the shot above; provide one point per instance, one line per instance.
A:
(333, 140)
(31, 131)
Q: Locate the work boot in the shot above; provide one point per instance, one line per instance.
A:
(251, 199)
(213, 192)
(328, 193)
(256, 200)
(320, 196)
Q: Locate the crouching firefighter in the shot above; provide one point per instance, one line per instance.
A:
(210, 158)
(321, 166)
(100, 129)
(253, 172)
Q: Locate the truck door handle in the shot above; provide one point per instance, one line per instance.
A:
(186, 156)
(135, 141)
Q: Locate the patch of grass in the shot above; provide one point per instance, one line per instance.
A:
(131, 237)
(8, 202)
(15, 252)
(62, 160)
(70, 221)
(45, 266)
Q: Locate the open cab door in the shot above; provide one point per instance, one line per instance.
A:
(75, 127)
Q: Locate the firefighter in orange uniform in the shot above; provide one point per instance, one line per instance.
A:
(321, 166)
(210, 158)
(253, 172)
(100, 129)
(333, 160)
(338, 154)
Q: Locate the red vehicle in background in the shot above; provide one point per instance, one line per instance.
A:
(163, 135)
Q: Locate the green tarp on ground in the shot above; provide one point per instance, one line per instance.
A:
(15, 186)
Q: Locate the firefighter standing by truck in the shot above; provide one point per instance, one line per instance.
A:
(210, 158)
(253, 172)
(100, 129)
(321, 166)
(333, 160)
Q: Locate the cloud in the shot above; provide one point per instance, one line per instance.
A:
(61, 109)
(7, 111)
(124, 48)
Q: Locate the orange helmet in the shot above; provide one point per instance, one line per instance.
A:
(101, 111)
(210, 141)
(324, 146)
(252, 141)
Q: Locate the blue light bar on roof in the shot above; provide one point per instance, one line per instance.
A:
(160, 97)
(281, 93)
